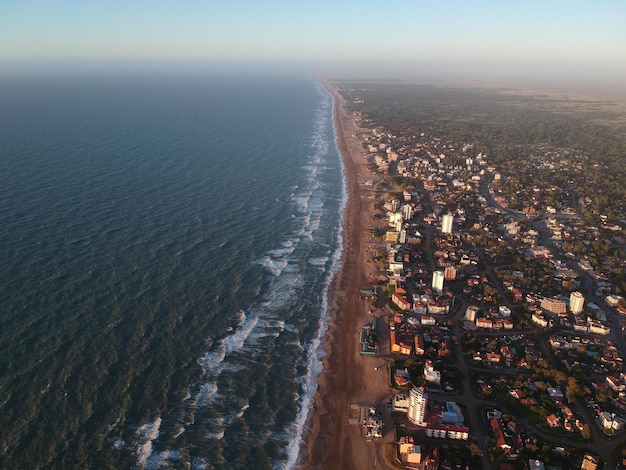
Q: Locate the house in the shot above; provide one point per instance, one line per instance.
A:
(539, 320)
(553, 421)
(493, 358)
(444, 351)
(589, 463)
(535, 464)
(528, 401)
(615, 384)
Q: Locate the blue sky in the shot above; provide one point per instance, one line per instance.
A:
(569, 36)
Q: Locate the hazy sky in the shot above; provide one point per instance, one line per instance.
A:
(567, 36)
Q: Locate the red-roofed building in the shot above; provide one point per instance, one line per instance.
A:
(400, 301)
(444, 350)
(498, 434)
(419, 345)
(397, 346)
(553, 420)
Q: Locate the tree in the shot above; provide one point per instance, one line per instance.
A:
(572, 389)
(475, 450)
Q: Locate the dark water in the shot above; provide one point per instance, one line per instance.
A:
(166, 243)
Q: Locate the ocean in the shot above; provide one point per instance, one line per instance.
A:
(167, 242)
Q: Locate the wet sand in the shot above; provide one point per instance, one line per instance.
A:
(348, 377)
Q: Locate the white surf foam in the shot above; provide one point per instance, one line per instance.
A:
(320, 261)
(287, 264)
(315, 351)
(145, 435)
(165, 459)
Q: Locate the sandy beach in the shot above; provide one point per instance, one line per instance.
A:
(348, 378)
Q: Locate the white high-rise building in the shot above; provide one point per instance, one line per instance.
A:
(437, 285)
(470, 313)
(576, 302)
(447, 220)
(407, 211)
(417, 406)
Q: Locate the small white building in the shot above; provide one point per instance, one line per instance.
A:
(610, 421)
(539, 320)
(504, 311)
(430, 374)
(400, 403)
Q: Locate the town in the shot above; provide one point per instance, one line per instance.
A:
(497, 302)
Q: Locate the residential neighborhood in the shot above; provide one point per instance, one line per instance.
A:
(504, 331)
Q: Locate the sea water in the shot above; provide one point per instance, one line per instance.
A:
(166, 247)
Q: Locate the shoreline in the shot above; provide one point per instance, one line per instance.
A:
(331, 442)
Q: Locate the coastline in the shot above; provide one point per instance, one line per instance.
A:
(345, 379)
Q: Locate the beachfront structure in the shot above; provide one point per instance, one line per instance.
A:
(437, 285)
(409, 452)
(446, 223)
(576, 302)
(400, 403)
(417, 406)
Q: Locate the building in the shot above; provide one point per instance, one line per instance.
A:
(498, 434)
(555, 306)
(446, 223)
(419, 344)
(589, 462)
(539, 320)
(400, 403)
(450, 273)
(437, 285)
(576, 302)
(430, 374)
(417, 406)
(398, 298)
(431, 461)
(407, 212)
(470, 313)
(611, 421)
(535, 464)
(504, 311)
